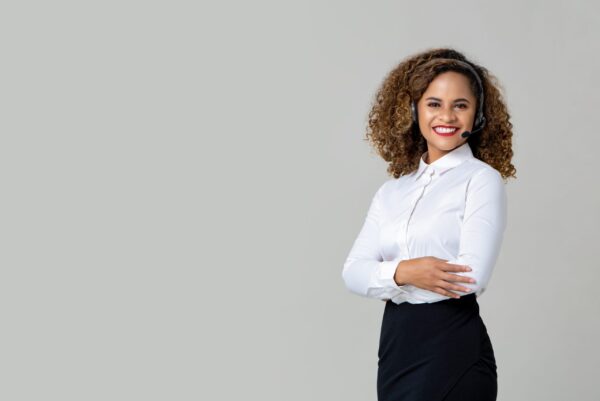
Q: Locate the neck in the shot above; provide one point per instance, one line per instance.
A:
(433, 156)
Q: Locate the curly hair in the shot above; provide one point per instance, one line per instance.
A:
(398, 140)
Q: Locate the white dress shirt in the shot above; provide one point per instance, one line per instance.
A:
(453, 209)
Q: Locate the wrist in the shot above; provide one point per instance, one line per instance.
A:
(401, 276)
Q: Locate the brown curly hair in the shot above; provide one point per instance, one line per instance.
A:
(398, 140)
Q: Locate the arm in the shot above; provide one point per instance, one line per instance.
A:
(482, 232)
(365, 272)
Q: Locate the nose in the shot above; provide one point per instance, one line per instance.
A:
(447, 114)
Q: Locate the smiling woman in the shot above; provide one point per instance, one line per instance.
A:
(432, 234)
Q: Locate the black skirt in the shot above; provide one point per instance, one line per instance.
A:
(437, 351)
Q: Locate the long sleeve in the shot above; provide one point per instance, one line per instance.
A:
(481, 235)
(365, 272)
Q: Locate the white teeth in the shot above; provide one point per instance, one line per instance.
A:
(443, 130)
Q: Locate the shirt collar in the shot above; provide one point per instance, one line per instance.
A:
(448, 161)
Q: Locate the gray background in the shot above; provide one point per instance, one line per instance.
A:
(182, 181)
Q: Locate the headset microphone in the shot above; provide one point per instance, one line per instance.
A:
(467, 134)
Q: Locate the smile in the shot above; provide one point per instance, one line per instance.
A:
(443, 131)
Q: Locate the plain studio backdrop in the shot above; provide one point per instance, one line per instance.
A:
(182, 181)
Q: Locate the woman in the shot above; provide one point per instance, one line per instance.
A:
(433, 232)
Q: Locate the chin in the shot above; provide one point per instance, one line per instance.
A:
(445, 143)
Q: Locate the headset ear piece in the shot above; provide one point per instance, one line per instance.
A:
(413, 110)
(481, 123)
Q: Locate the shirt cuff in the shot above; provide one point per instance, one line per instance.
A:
(387, 271)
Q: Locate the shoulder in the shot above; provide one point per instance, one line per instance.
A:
(383, 190)
(482, 173)
(485, 184)
(391, 186)
(388, 184)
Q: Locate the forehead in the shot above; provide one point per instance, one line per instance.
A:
(450, 84)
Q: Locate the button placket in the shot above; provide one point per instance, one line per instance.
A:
(428, 177)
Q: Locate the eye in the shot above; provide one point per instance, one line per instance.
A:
(460, 105)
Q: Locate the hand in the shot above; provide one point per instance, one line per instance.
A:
(433, 274)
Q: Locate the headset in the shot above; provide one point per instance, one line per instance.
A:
(479, 119)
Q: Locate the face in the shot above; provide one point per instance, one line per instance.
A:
(447, 102)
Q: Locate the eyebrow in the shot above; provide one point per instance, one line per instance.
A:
(457, 100)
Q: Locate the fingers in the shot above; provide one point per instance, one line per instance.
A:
(447, 286)
(441, 277)
(457, 288)
(456, 277)
(450, 267)
(442, 291)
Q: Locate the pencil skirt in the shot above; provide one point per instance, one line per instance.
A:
(437, 351)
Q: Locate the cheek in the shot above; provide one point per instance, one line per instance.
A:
(470, 115)
(425, 116)
(425, 120)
